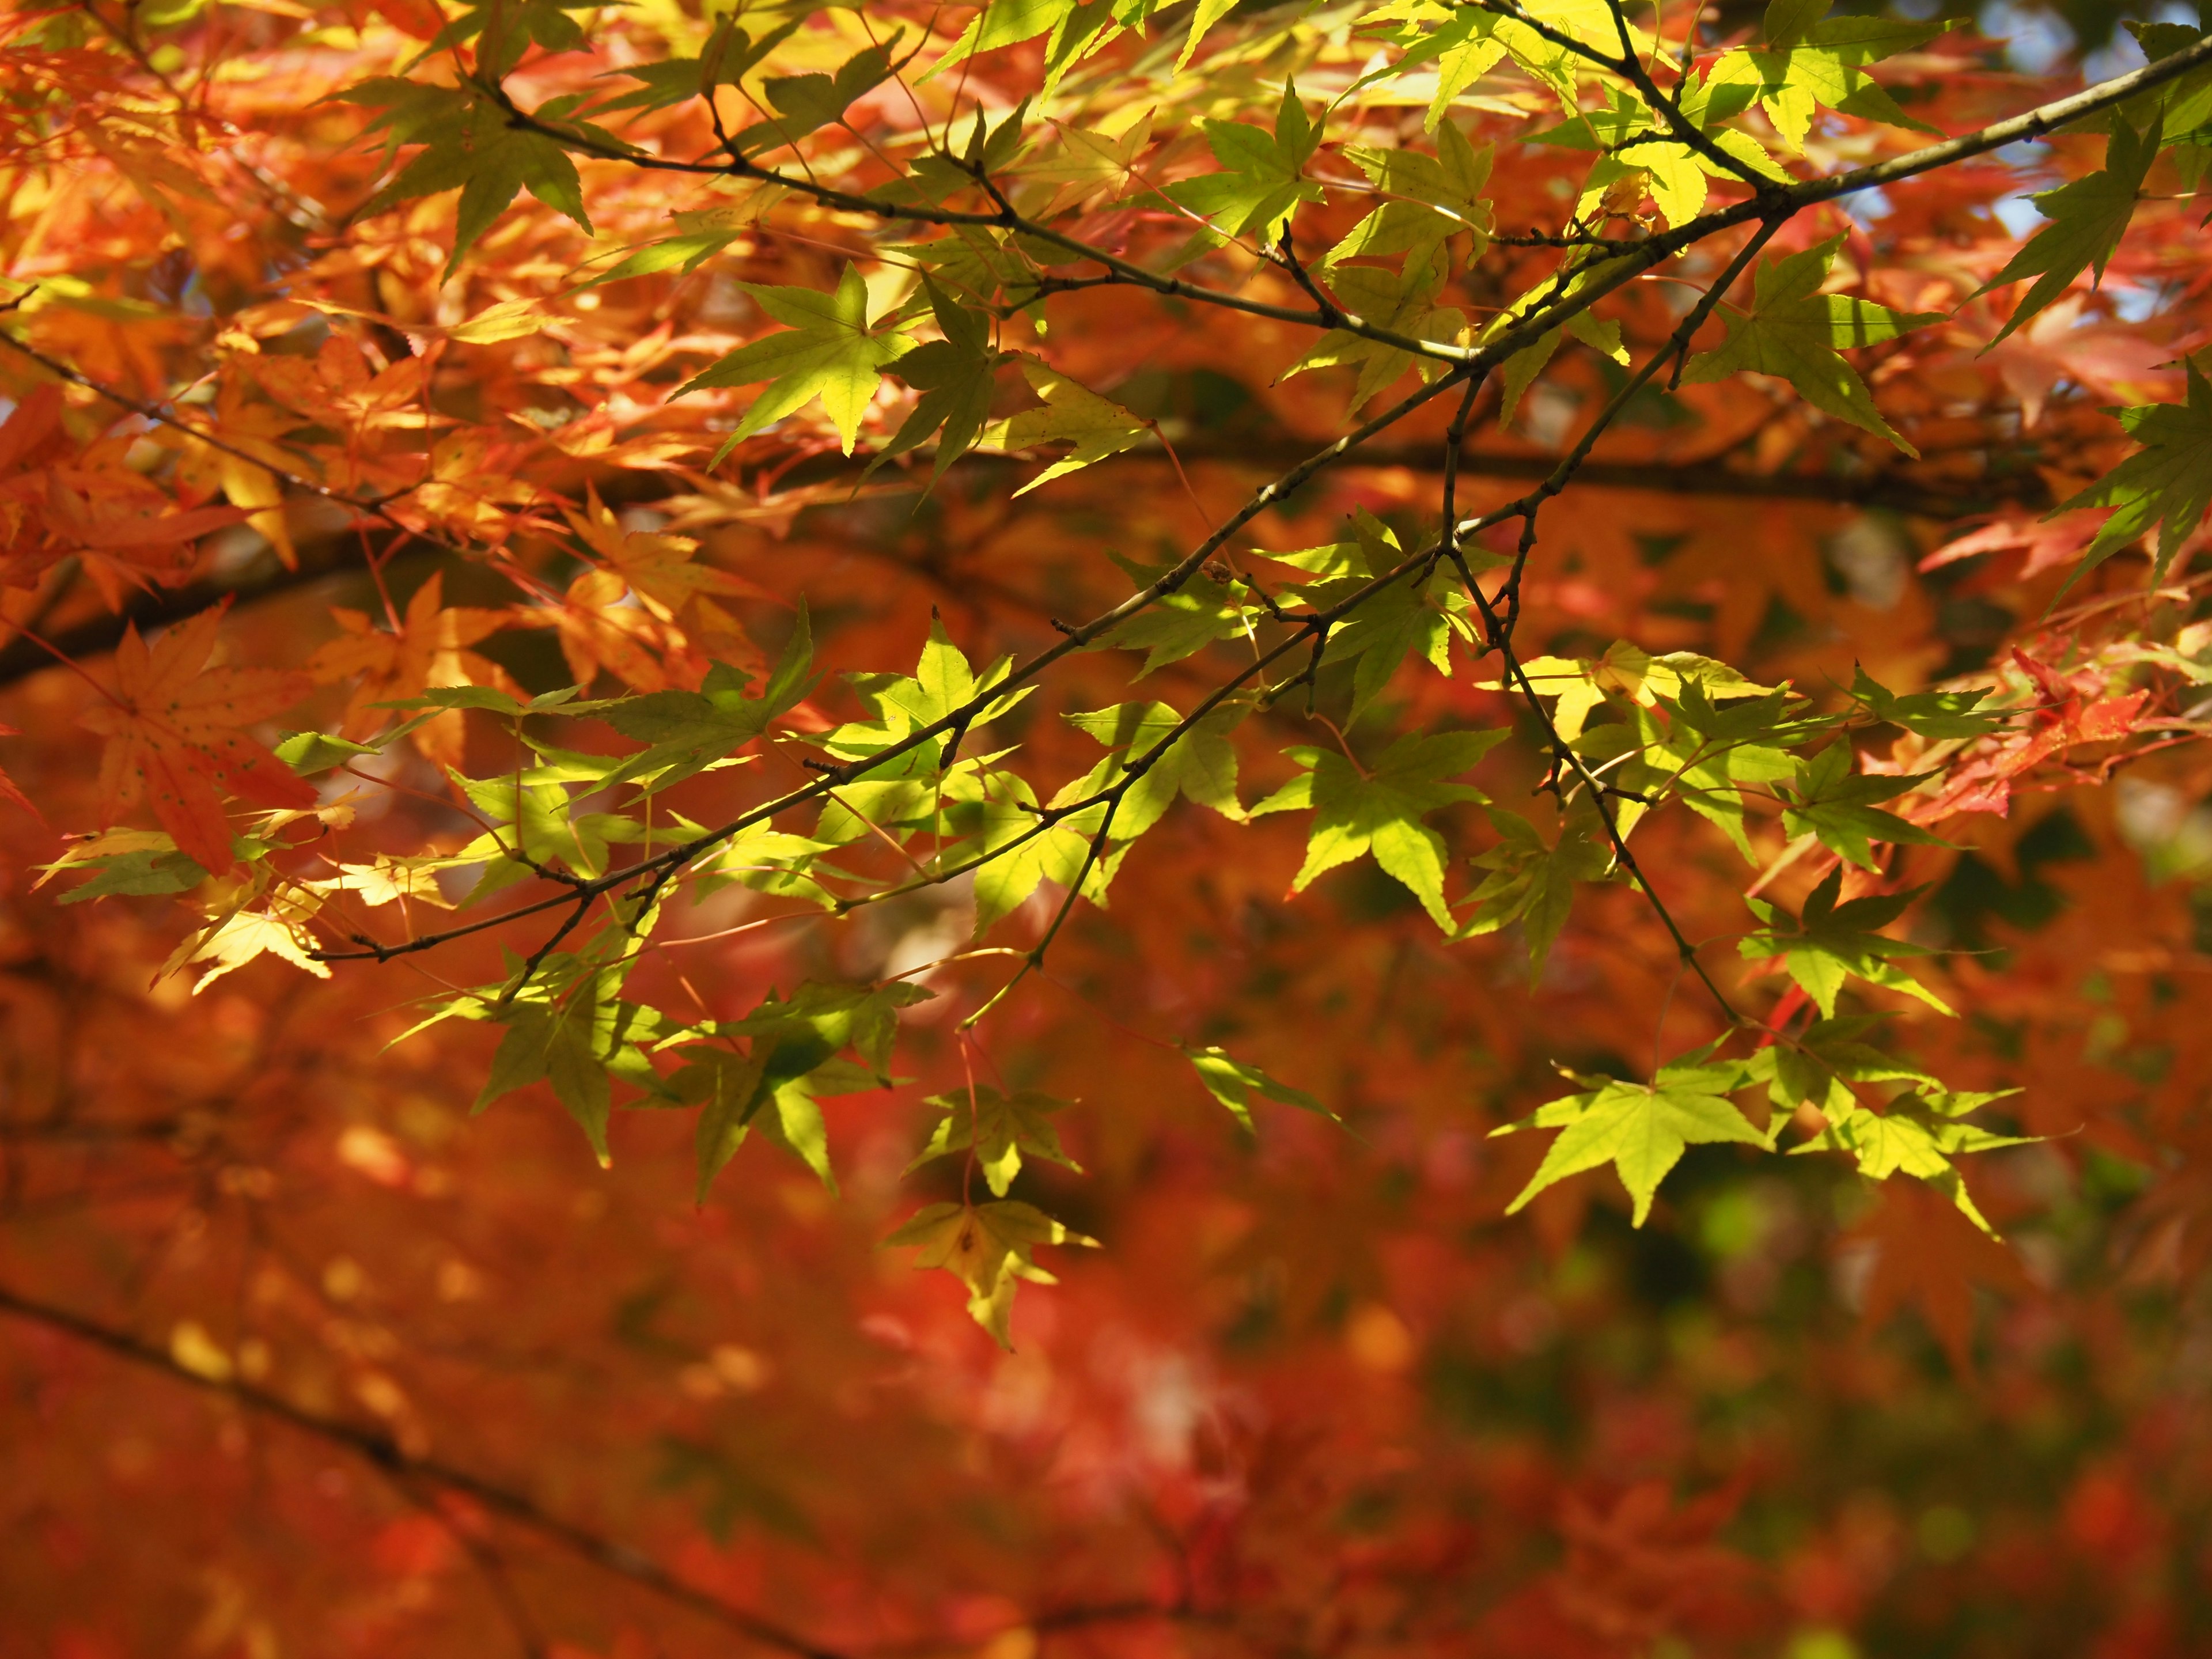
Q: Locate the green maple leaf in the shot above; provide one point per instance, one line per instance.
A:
(1808, 65)
(1072, 413)
(469, 147)
(1533, 883)
(1818, 1065)
(1433, 198)
(1828, 800)
(729, 54)
(2168, 483)
(1832, 942)
(689, 732)
(1200, 766)
(1176, 624)
(1262, 181)
(956, 376)
(1641, 1129)
(1380, 810)
(988, 1246)
(1236, 1085)
(804, 103)
(1021, 857)
(1000, 1128)
(790, 1060)
(829, 350)
(2087, 218)
(580, 1042)
(1387, 299)
(1930, 713)
(1793, 332)
(1890, 1142)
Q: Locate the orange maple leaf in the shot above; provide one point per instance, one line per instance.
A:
(173, 728)
(430, 649)
(1928, 1255)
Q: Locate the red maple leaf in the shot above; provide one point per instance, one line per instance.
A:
(173, 728)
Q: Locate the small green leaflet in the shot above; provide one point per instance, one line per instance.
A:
(1793, 332)
(2087, 218)
(1236, 1085)
(790, 1060)
(1404, 618)
(729, 55)
(1176, 624)
(1380, 810)
(1808, 67)
(1072, 413)
(1388, 300)
(1832, 942)
(1200, 765)
(1818, 1066)
(1534, 884)
(1000, 1128)
(1890, 1143)
(310, 753)
(471, 147)
(701, 234)
(1433, 197)
(987, 1248)
(1628, 671)
(1641, 1129)
(1009, 820)
(829, 350)
(579, 1043)
(942, 682)
(508, 28)
(2167, 484)
(1828, 800)
(1262, 182)
(687, 731)
(956, 376)
(804, 103)
(1930, 713)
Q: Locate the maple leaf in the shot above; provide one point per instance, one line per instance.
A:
(663, 571)
(1433, 198)
(1892, 1142)
(173, 731)
(829, 349)
(1000, 1127)
(1833, 941)
(1236, 1085)
(1360, 811)
(1641, 1129)
(246, 934)
(430, 649)
(470, 145)
(1794, 331)
(1831, 802)
(2168, 483)
(1811, 62)
(1928, 1254)
(1194, 616)
(1072, 413)
(1931, 713)
(1200, 765)
(1262, 180)
(1534, 884)
(2087, 219)
(956, 376)
(988, 1246)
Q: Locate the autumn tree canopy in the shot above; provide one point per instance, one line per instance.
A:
(1453, 746)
